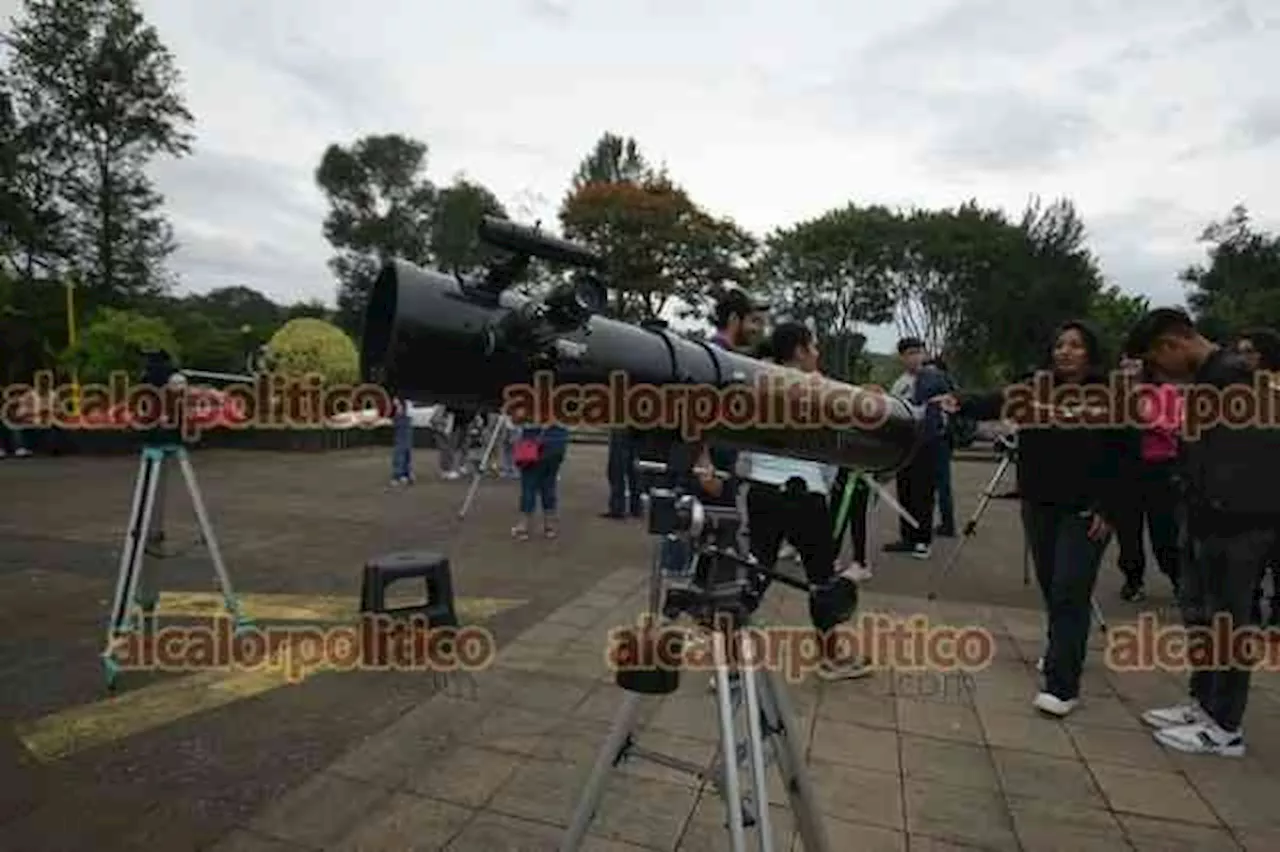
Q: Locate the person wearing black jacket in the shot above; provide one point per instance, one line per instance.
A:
(1067, 480)
(1232, 512)
(1260, 348)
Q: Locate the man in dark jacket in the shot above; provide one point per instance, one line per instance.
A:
(918, 481)
(1232, 512)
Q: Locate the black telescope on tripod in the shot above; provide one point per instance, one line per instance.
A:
(465, 340)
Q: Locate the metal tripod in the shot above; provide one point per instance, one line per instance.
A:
(971, 527)
(769, 716)
(145, 511)
(500, 425)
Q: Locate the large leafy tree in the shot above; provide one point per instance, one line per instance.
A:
(834, 273)
(1240, 286)
(661, 249)
(458, 211)
(94, 97)
(381, 206)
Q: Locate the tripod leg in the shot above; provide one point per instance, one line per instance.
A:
(783, 731)
(478, 473)
(619, 735)
(211, 541)
(148, 595)
(755, 740)
(728, 744)
(131, 560)
(1097, 613)
(970, 527)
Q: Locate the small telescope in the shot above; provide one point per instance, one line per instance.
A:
(464, 341)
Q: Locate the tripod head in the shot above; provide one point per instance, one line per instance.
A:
(725, 583)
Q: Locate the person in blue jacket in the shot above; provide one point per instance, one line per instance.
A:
(539, 475)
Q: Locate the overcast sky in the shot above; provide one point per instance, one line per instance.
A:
(1155, 116)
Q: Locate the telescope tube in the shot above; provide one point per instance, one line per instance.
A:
(429, 338)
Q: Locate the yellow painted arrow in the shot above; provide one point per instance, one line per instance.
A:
(79, 728)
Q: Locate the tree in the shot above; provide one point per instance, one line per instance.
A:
(455, 242)
(381, 207)
(1022, 282)
(1241, 285)
(657, 244)
(613, 160)
(96, 94)
(834, 273)
(1114, 313)
(304, 347)
(114, 340)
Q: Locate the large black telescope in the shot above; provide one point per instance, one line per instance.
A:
(467, 342)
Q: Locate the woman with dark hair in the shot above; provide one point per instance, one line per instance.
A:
(1068, 466)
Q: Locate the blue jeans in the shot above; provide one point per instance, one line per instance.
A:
(674, 556)
(538, 483)
(402, 449)
(946, 504)
(1066, 562)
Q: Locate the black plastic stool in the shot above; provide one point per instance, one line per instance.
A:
(433, 568)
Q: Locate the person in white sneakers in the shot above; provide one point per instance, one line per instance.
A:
(1232, 518)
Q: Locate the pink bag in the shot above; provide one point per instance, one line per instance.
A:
(1164, 421)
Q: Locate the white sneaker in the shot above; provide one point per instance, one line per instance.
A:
(858, 572)
(920, 551)
(1202, 738)
(1053, 705)
(1175, 717)
(21, 452)
(1040, 665)
(451, 475)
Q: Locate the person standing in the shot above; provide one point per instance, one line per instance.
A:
(946, 499)
(1068, 479)
(788, 498)
(1232, 514)
(539, 454)
(402, 449)
(917, 480)
(624, 479)
(1260, 348)
(1150, 470)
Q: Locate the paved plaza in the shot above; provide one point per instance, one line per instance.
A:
(493, 761)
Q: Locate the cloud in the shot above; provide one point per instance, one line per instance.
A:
(1154, 116)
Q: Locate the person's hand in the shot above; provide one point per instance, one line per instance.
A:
(947, 402)
(1098, 527)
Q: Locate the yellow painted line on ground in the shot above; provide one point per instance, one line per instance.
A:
(127, 714)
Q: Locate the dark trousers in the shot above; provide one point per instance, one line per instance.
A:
(854, 521)
(946, 502)
(1066, 562)
(805, 521)
(538, 482)
(1223, 567)
(1154, 507)
(624, 488)
(917, 485)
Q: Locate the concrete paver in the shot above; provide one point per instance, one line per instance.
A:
(905, 760)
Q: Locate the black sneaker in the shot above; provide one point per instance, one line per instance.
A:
(1133, 592)
(899, 547)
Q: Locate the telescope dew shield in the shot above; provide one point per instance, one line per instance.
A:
(434, 338)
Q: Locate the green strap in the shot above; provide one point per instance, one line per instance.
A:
(846, 500)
